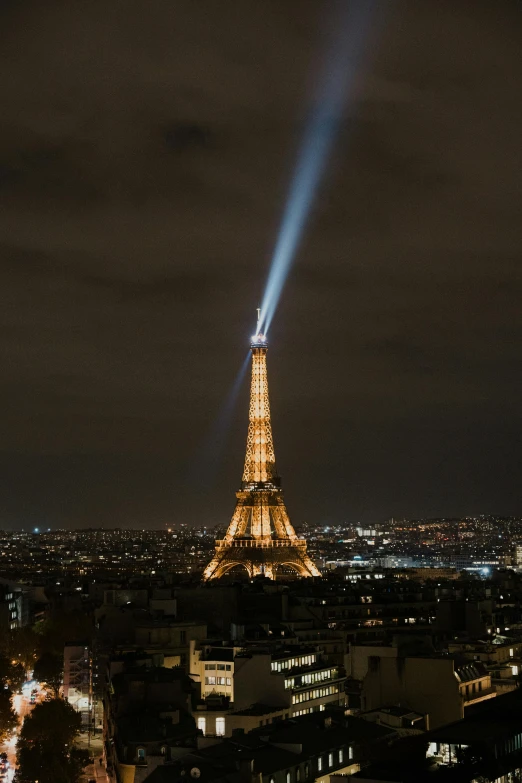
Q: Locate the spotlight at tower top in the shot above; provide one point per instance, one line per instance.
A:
(258, 341)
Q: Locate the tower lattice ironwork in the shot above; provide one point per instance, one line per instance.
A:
(260, 536)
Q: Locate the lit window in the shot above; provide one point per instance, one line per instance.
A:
(320, 763)
(511, 651)
(298, 774)
(350, 752)
(202, 722)
(141, 753)
(341, 756)
(220, 727)
(288, 778)
(330, 759)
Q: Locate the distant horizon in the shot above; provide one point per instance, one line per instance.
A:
(217, 525)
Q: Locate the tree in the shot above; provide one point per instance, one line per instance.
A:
(16, 676)
(51, 766)
(54, 722)
(11, 674)
(21, 645)
(49, 669)
(5, 665)
(8, 719)
(62, 627)
(46, 749)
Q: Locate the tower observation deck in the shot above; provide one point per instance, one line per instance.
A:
(260, 538)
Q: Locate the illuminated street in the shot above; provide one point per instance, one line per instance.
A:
(22, 706)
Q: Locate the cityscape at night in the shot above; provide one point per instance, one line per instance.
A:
(260, 506)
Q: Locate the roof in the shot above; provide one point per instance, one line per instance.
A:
(218, 654)
(259, 709)
(471, 670)
(486, 721)
(149, 726)
(262, 751)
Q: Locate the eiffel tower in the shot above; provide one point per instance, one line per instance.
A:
(260, 537)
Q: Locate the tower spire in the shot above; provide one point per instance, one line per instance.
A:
(260, 536)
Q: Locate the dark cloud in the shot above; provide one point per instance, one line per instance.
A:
(146, 149)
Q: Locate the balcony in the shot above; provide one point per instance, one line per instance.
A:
(261, 542)
(474, 698)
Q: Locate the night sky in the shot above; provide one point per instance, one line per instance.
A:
(146, 149)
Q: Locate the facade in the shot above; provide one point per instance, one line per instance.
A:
(147, 720)
(244, 688)
(77, 679)
(437, 687)
(13, 608)
(260, 538)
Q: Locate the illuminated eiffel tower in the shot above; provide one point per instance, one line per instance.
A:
(260, 537)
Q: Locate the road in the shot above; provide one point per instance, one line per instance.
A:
(94, 771)
(22, 706)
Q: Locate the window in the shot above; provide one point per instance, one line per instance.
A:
(228, 667)
(220, 727)
(209, 666)
(210, 680)
(163, 750)
(202, 722)
(307, 771)
(221, 667)
(229, 681)
(350, 752)
(182, 637)
(288, 777)
(330, 759)
(141, 754)
(320, 763)
(341, 756)
(298, 774)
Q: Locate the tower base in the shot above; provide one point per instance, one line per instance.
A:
(261, 556)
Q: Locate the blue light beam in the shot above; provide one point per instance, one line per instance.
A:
(210, 453)
(334, 89)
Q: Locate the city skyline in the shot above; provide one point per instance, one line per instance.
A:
(146, 161)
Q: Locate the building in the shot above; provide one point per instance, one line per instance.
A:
(14, 609)
(247, 687)
(485, 745)
(260, 539)
(312, 748)
(77, 679)
(147, 718)
(438, 687)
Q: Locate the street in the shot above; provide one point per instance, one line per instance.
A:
(22, 706)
